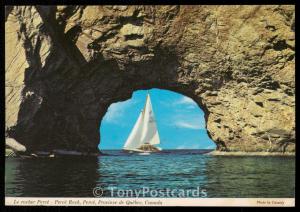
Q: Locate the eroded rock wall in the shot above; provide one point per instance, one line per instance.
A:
(65, 65)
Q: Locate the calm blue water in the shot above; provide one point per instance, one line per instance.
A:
(213, 176)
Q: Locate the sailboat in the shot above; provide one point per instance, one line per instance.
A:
(144, 135)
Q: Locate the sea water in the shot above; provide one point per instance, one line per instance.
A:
(186, 173)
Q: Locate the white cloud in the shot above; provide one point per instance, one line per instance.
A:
(116, 111)
(183, 115)
(191, 124)
(189, 146)
(186, 100)
(181, 103)
(191, 106)
(181, 147)
(185, 120)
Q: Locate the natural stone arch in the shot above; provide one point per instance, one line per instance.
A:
(184, 92)
(176, 93)
(65, 65)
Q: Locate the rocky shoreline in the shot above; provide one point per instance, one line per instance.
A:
(239, 153)
(51, 154)
(213, 153)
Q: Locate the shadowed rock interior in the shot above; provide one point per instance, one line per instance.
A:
(64, 66)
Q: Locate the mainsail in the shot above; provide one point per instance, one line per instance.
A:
(144, 130)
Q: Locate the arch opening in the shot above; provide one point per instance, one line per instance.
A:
(180, 121)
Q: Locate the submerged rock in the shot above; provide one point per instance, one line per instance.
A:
(66, 64)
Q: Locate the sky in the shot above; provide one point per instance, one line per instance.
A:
(180, 121)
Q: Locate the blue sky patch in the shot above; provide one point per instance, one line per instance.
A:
(180, 121)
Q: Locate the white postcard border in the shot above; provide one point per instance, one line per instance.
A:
(246, 202)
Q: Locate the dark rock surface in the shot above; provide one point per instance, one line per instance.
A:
(65, 65)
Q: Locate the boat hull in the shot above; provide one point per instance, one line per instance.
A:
(144, 149)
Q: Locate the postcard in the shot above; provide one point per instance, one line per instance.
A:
(150, 105)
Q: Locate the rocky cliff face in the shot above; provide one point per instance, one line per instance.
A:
(66, 64)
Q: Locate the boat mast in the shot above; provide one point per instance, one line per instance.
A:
(145, 102)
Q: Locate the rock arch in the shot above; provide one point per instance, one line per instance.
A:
(66, 64)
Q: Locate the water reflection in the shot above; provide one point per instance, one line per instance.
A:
(250, 176)
(220, 176)
(53, 177)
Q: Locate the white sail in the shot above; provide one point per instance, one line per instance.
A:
(133, 141)
(144, 130)
(149, 133)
